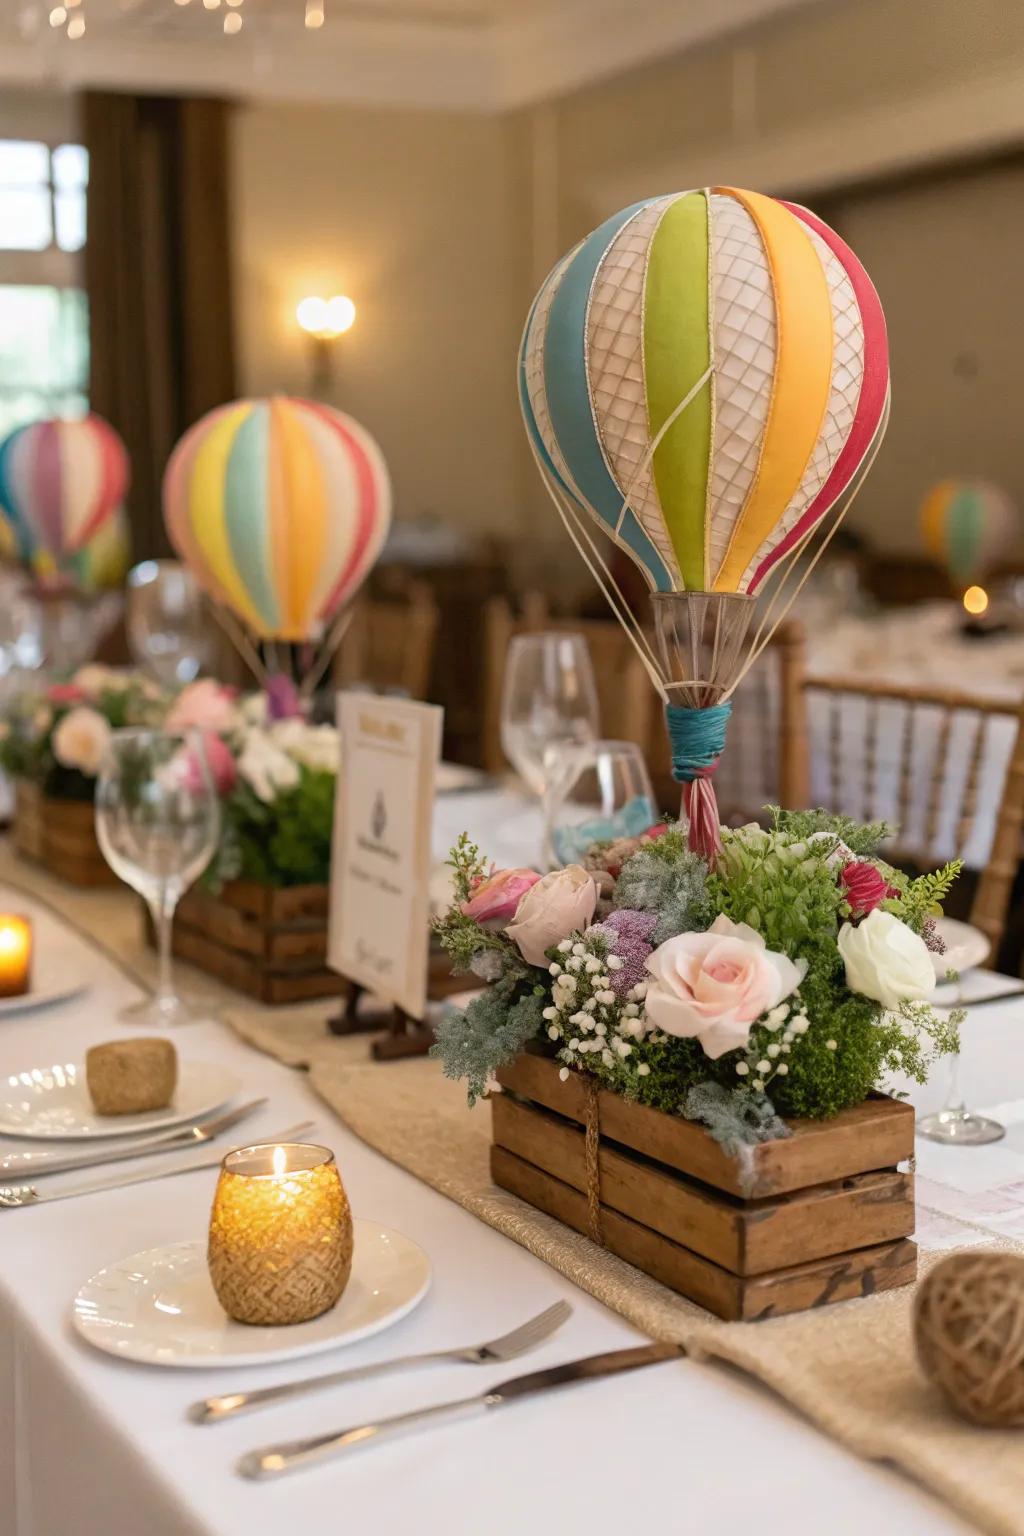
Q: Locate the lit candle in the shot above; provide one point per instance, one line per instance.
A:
(280, 1248)
(15, 955)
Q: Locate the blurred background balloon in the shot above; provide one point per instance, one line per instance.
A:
(62, 484)
(279, 508)
(968, 526)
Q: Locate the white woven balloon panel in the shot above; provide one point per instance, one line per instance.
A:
(747, 776)
(533, 367)
(879, 796)
(743, 326)
(615, 370)
(844, 393)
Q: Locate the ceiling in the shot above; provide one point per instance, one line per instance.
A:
(465, 54)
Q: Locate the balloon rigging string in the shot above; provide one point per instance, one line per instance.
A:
(335, 635)
(240, 640)
(655, 443)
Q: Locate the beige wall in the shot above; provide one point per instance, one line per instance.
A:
(417, 217)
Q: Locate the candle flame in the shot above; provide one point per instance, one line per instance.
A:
(280, 1160)
(975, 599)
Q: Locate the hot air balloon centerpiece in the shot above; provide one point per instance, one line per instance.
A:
(968, 526)
(705, 379)
(279, 508)
(62, 489)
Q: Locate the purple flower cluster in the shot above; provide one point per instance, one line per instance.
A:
(932, 937)
(628, 935)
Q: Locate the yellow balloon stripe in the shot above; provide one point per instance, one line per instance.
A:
(800, 388)
(933, 517)
(296, 482)
(207, 511)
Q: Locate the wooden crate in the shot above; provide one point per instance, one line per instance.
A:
(824, 1215)
(267, 942)
(60, 835)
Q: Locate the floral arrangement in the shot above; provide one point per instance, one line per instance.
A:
(56, 737)
(791, 979)
(275, 772)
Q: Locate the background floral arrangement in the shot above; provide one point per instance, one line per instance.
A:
(275, 773)
(790, 980)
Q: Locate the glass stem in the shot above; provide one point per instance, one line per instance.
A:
(954, 1094)
(162, 908)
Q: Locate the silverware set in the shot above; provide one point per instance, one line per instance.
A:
(290, 1455)
(39, 1163)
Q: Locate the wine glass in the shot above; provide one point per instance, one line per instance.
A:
(549, 697)
(157, 822)
(166, 622)
(596, 793)
(954, 1124)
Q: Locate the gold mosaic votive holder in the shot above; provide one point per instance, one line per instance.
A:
(280, 1246)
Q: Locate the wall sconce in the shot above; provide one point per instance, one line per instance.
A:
(324, 321)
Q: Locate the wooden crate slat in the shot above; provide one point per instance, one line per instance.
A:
(746, 1237)
(792, 1289)
(876, 1134)
(248, 975)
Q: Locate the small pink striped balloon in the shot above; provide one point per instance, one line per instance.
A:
(60, 483)
(279, 508)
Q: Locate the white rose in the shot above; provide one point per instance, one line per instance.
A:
(81, 739)
(95, 679)
(265, 767)
(885, 960)
(314, 746)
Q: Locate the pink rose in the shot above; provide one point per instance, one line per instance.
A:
(496, 898)
(560, 904)
(864, 886)
(65, 693)
(220, 761)
(715, 985)
(203, 706)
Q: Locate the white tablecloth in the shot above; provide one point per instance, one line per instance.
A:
(90, 1446)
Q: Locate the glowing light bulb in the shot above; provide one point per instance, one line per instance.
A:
(76, 27)
(975, 599)
(314, 14)
(58, 16)
(311, 313)
(279, 1160)
(232, 22)
(212, 5)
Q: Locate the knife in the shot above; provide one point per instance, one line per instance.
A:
(34, 1163)
(289, 1455)
(17, 1196)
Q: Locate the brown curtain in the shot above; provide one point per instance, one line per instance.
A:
(157, 265)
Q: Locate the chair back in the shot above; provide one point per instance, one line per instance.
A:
(944, 767)
(390, 645)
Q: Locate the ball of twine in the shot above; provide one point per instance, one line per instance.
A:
(969, 1333)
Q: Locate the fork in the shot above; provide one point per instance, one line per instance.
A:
(37, 1163)
(211, 1410)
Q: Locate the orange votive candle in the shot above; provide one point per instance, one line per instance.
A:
(15, 955)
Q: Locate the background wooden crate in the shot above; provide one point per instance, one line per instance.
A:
(824, 1214)
(60, 835)
(266, 942)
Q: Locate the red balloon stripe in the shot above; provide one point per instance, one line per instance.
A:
(367, 485)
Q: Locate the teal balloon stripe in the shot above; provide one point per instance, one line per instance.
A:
(963, 532)
(568, 393)
(247, 512)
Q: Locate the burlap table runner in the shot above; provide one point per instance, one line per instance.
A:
(849, 1368)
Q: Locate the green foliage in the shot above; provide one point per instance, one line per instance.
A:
(469, 865)
(664, 877)
(921, 898)
(860, 838)
(785, 893)
(490, 1032)
(464, 940)
(735, 1119)
(285, 843)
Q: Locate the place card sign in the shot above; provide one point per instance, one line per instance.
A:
(381, 856)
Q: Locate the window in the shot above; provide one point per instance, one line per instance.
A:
(44, 322)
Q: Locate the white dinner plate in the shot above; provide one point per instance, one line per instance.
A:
(50, 984)
(966, 947)
(159, 1307)
(53, 1103)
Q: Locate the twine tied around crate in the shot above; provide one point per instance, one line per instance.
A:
(592, 1158)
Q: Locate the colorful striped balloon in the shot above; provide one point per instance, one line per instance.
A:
(279, 508)
(968, 526)
(706, 375)
(60, 482)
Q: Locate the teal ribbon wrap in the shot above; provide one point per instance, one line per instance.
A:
(697, 739)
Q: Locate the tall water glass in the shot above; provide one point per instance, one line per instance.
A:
(168, 631)
(549, 698)
(157, 822)
(954, 1125)
(596, 793)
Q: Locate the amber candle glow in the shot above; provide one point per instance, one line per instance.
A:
(15, 955)
(280, 1248)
